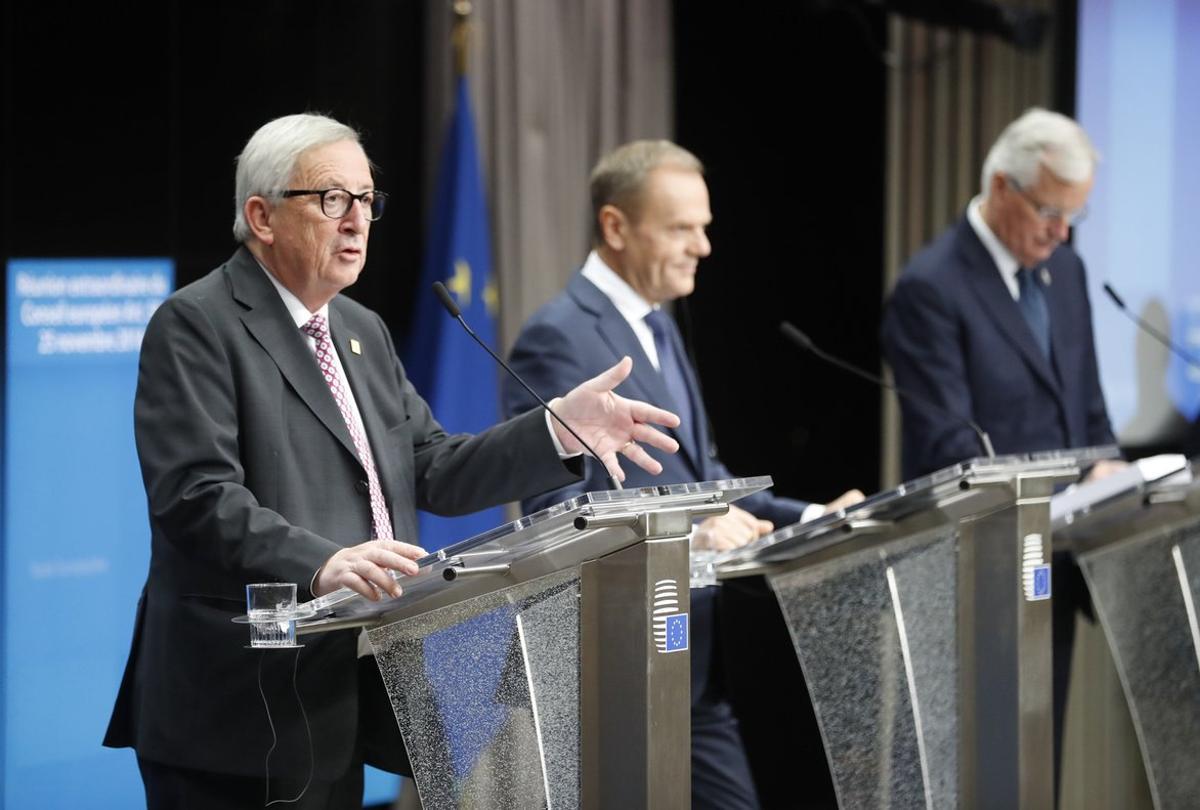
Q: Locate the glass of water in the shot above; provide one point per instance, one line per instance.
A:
(271, 609)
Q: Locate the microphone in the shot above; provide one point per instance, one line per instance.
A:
(805, 342)
(1150, 330)
(439, 289)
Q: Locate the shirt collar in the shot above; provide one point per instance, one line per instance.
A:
(295, 307)
(626, 299)
(1006, 263)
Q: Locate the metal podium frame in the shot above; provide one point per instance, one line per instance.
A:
(630, 548)
(1000, 511)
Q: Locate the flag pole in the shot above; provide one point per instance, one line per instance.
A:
(459, 36)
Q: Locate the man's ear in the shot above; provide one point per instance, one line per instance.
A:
(998, 183)
(614, 227)
(257, 212)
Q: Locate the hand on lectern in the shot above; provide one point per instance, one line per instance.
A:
(364, 568)
(612, 424)
(847, 498)
(1104, 468)
(734, 529)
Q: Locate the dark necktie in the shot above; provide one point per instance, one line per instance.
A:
(670, 366)
(318, 328)
(1033, 306)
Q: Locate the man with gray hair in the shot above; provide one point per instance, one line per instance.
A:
(992, 320)
(991, 323)
(281, 441)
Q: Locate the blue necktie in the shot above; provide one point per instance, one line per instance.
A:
(1033, 306)
(671, 369)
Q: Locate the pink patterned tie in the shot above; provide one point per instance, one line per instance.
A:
(318, 328)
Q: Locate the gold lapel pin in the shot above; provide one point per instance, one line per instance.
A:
(355, 346)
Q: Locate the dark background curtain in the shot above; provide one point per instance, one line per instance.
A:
(122, 123)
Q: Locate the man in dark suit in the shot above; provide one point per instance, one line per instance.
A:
(992, 320)
(280, 441)
(992, 323)
(650, 211)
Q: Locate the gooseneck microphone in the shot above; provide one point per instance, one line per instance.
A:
(439, 289)
(805, 342)
(1150, 330)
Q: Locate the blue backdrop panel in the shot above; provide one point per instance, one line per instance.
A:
(1138, 70)
(75, 536)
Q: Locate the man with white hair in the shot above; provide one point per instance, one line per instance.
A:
(991, 322)
(281, 441)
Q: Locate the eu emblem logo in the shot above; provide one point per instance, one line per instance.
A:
(677, 632)
(1041, 582)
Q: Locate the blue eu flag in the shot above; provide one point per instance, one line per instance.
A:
(455, 376)
(677, 632)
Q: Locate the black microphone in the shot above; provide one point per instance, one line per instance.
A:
(447, 300)
(1150, 330)
(804, 342)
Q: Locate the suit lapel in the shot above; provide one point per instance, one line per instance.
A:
(644, 382)
(989, 288)
(268, 321)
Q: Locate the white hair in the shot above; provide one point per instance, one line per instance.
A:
(1040, 138)
(267, 163)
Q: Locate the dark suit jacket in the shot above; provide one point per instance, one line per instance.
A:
(954, 336)
(576, 336)
(251, 476)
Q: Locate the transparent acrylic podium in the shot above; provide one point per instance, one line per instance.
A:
(1137, 540)
(545, 664)
(921, 618)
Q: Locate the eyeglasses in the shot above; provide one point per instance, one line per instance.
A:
(1049, 212)
(336, 202)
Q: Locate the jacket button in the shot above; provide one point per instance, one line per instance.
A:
(363, 487)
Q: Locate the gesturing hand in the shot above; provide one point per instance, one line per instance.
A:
(364, 568)
(612, 424)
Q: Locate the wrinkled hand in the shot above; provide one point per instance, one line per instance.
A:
(612, 424)
(847, 498)
(1104, 468)
(364, 568)
(734, 529)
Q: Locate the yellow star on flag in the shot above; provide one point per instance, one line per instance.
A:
(491, 297)
(460, 283)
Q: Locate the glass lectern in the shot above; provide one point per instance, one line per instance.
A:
(545, 663)
(921, 618)
(1137, 537)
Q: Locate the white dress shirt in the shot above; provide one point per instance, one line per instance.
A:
(1005, 261)
(301, 315)
(626, 299)
(634, 309)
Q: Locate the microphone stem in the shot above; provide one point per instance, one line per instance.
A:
(612, 479)
(1150, 330)
(987, 443)
(1164, 340)
(805, 343)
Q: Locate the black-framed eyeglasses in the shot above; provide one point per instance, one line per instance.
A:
(1049, 212)
(336, 202)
